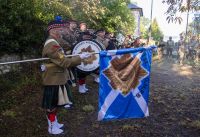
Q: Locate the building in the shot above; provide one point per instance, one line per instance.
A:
(137, 13)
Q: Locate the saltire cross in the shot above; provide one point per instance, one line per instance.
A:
(124, 83)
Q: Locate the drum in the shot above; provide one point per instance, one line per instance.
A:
(92, 63)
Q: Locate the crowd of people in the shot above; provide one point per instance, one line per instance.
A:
(180, 50)
(58, 73)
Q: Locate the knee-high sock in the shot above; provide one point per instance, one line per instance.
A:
(81, 81)
(51, 115)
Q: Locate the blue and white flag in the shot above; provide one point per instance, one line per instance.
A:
(124, 83)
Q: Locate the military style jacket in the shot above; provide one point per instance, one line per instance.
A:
(170, 44)
(55, 72)
(161, 44)
(84, 35)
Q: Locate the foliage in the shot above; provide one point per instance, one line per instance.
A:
(20, 79)
(118, 17)
(88, 108)
(144, 25)
(15, 84)
(156, 32)
(113, 15)
(179, 6)
(20, 31)
(193, 30)
(195, 124)
(194, 26)
(23, 22)
(9, 81)
(9, 113)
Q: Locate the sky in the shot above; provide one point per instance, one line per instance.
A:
(159, 9)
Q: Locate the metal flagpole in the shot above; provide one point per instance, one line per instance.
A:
(22, 61)
(39, 59)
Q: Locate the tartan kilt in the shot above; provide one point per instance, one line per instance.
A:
(51, 96)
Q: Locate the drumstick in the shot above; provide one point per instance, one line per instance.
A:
(39, 59)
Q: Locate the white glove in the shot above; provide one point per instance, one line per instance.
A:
(85, 55)
(43, 68)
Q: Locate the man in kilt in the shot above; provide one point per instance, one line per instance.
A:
(54, 73)
(70, 38)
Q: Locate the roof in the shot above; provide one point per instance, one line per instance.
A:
(133, 6)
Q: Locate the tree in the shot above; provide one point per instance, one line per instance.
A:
(156, 32)
(194, 28)
(23, 22)
(179, 6)
(144, 24)
(20, 30)
(112, 15)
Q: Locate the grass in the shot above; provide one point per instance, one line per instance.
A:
(195, 124)
(127, 127)
(88, 108)
(14, 86)
(9, 113)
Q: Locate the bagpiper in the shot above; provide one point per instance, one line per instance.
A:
(54, 73)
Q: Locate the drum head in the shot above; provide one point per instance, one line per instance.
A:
(92, 63)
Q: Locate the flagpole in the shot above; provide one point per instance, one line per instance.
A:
(42, 59)
(39, 59)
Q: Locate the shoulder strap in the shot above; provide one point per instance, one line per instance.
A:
(102, 45)
(49, 41)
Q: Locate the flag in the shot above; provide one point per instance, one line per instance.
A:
(124, 83)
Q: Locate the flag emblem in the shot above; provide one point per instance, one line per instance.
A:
(124, 83)
(127, 73)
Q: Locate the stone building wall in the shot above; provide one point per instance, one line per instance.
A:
(7, 68)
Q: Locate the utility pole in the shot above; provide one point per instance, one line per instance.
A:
(186, 29)
(151, 13)
(150, 28)
(188, 10)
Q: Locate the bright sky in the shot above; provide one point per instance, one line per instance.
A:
(159, 10)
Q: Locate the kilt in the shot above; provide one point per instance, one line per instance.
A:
(51, 96)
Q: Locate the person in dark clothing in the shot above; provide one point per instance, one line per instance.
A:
(111, 42)
(84, 34)
(170, 46)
